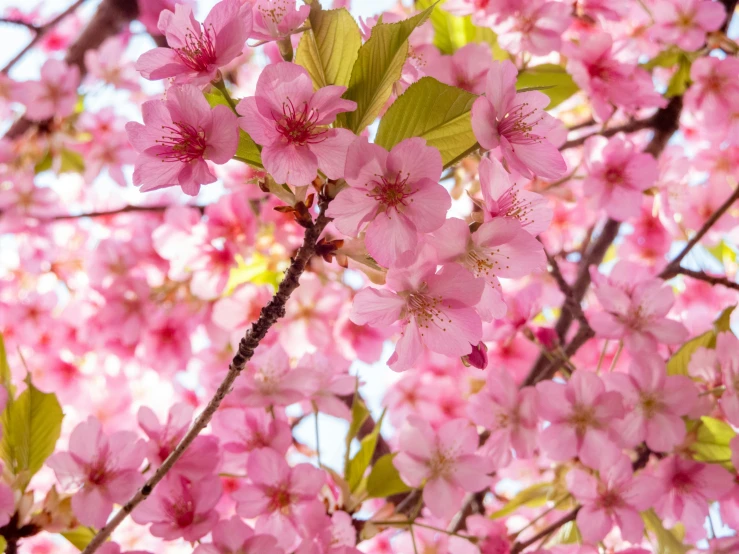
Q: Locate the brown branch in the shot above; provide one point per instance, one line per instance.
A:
(124, 210)
(273, 311)
(708, 278)
(472, 505)
(548, 530)
(30, 26)
(673, 268)
(630, 127)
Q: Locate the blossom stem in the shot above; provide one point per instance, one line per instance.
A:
(616, 357)
(274, 310)
(542, 515)
(221, 86)
(285, 47)
(602, 355)
(722, 388)
(318, 441)
(519, 546)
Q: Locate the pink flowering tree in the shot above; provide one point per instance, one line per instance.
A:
(341, 277)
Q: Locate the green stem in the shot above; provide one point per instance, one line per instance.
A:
(463, 155)
(318, 441)
(221, 86)
(618, 353)
(602, 355)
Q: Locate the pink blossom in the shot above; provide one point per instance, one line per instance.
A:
(537, 27)
(396, 193)
(517, 123)
(276, 19)
(727, 360)
(166, 342)
(615, 498)
(55, 95)
(107, 64)
(510, 416)
(180, 508)
(654, 403)
(331, 381)
(617, 175)
(291, 122)
(582, 418)
(435, 310)
(608, 81)
(730, 501)
(467, 68)
(686, 22)
(278, 494)
(511, 201)
(196, 52)
(327, 535)
(178, 135)
(201, 457)
(714, 86)
(236, 312)
(233, 536)
(686, 489)
(358, 341)
(498, 248)
(149, 11)
(106, 470)
(443, 462)
(232, 218)
(634, 309)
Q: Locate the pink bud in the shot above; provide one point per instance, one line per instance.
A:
(478, 357)
(546, 336)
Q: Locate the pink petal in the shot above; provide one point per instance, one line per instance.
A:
(428, 206)
(288, 163)
(331, 152)
(442, 498)
(364, 162)
(484, 124)
(391, 239)
(412, 159)
(376, 307)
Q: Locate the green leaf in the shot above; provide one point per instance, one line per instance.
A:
(678, 364)
(722, 252)
(666, 58)
(328, 51)
(712, 442)
(433, 111)
(360, 413)
(31, 425)
(247, 149)
(71, 162)
(568, 534)
(361, 460)
(44, 164)
(80, 536)
(668, 541)
(723, 322)
(378, 66)
(384, 479)
(5, 375)
(3, 544)
(533, 497)
(680, 79)
(551, 79)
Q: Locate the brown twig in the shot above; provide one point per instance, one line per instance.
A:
(30, 26)
(548, 530)
(708, 278)
(630, 127)
(273, 311)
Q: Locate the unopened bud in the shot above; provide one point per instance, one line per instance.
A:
(478, 357)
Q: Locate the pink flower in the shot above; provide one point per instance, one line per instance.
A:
(498, 248)
(55, 95)
(582, 416)
(714, 89)
(686, 22)
(609, 82)
(730, 502)
(443, 462)
(615, 498)
(238, 311)
(196, 52)
(201, 457)
(686, 489)
(518, 124)
(105, 468)
(276, 19)
(435, 310)
(537, 27)
(180, 508)
(510, 416)
(331, 381)
(149, 11)
(467, 68)
(233, 536)
(727, 359)
(397, 193)
(277, 494)
(654, 403)
(291, 122)
(327, 535)
(510, 201)
(177, 136)
(635, 307)
(617, 174)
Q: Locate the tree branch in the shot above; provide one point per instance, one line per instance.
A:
(548, 530)
(630, 127)
(708, 278)
(273, 311)
(30, 26)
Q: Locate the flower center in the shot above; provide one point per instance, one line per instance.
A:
(682, 482)
(426, 309)
(182, 511)
(299, 126)
(650, 405)
(185, 142)
(582, 417)
(517, 127)
(280, 500)
(199, 52)
(609, 499)
(614, 176)
(391, 193)
(483, 262)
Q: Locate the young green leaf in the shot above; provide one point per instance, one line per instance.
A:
(533, 496)
(433, 111)
(551, 79)
(80, 536)
(247, 149)
(384, 479)
(712, 442)
(360, 462)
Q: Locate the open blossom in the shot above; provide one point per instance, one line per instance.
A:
(654, 403)
(107, 64)
(181, 508)
(396, 193)
(582, 416)
(177, 136)
(54, 95)
(510, 416)
(686, 22)
(444, 462)
(503, 199)
(727, 360)
(278, 494)
(517, 123)
(276, 19)
(634, 309)
(291, 122)
(233, 536)
(714, 89)
(327, 535)
(617, 175)
(614, 498)
(435, 310)
(686, 489)
(536, 27)
(105, 468)
(467, 68)
(196, 51)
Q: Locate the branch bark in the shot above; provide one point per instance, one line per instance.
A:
(273, 311)
(708, 278)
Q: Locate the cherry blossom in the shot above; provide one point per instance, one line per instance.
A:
(686, 22)
(233, 536)
(276, 19)
(536, 27)
(55, 94)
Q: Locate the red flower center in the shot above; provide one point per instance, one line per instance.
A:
(199, 52)
(299, 126)
(391, 193)
(185, 142)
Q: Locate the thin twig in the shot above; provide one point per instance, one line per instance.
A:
(630, 127)
(273, 311)
(712, 279)
(519, 546)
(30, 26)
